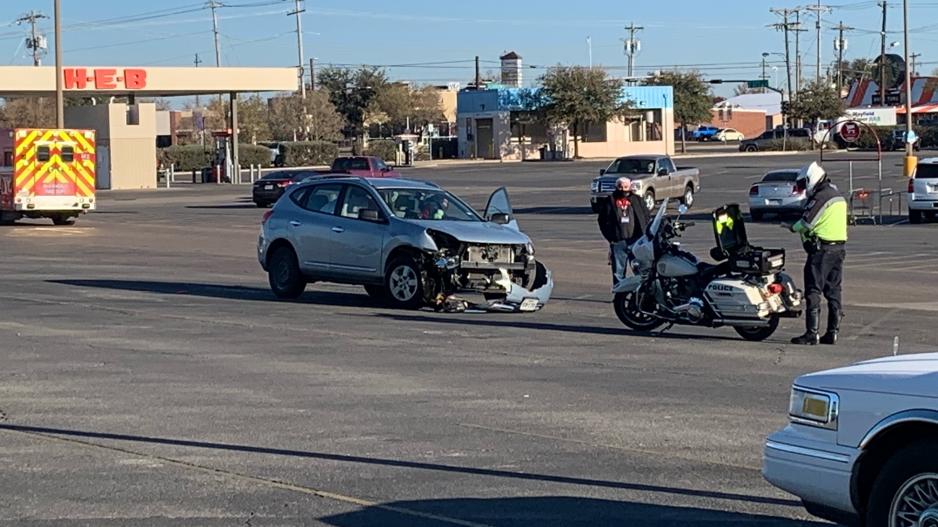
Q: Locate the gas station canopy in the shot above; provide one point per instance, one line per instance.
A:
(144, 81)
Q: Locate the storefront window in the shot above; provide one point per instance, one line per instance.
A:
(593, 132)
(653, 125)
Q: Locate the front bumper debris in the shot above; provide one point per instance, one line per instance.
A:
(513, 298)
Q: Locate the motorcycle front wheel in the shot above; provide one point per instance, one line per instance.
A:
(759, 333)
(629, 314)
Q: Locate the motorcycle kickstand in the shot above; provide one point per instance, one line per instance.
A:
(670, 325)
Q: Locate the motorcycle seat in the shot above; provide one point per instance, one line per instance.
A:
(707, 270)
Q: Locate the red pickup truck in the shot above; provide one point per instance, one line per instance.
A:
(363, 166)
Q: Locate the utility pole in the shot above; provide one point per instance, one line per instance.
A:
(59, 94)
(840, 45)
(213, 4)
(764, 77)
(914, 59)
(882, 59)
(818, 10)
(797, 29)
(632, 46)
(299, 45)
(197, 61)
(36, 42)
(312, 74)
(785, 26)
(910, 160)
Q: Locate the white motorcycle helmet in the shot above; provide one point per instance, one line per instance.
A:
(809, 177)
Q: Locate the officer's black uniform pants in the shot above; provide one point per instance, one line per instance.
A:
(823, 274)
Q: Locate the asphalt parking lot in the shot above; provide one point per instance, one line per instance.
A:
(150, 378)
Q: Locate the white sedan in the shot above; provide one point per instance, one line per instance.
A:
(728, 135)
(862, 443)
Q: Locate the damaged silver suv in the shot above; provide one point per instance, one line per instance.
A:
(407, 242)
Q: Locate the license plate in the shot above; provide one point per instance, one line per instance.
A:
(268, 187)
(528, 305)
(774, 202)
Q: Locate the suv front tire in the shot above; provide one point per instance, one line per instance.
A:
(404, 283)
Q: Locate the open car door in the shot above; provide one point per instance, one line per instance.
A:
(498, 210)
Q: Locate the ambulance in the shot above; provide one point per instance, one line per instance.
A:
(46, 173)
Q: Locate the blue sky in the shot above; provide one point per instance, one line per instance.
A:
(721, 38)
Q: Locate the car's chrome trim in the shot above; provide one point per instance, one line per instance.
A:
(907, 416)
(810, 452)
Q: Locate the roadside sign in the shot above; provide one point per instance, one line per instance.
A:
(762, 83)
(850, 131)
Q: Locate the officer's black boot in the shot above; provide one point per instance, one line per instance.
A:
(812, 322)
(834, 316)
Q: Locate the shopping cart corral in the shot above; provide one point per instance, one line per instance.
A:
(874, 205)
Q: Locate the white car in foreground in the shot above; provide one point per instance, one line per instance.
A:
(862, 444)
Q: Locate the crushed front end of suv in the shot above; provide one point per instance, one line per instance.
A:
(409, 243)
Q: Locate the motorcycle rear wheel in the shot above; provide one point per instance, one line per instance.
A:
(759, 333)
(631, 316)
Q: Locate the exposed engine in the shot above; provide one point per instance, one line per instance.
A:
(486, 269)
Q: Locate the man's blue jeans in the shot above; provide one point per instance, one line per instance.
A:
(620, 261)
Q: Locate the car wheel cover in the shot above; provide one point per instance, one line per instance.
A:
(403, 283)
(283, 272)
(688, 197)
(916, 503)
(649, 201)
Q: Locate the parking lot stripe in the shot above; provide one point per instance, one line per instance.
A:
(257, 479)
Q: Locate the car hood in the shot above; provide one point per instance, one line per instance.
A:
(914, 375)
(476, 231)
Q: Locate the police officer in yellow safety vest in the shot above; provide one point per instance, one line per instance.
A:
(823, 229)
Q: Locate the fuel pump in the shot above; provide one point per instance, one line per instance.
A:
(222, 159)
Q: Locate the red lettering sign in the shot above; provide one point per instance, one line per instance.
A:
(75, 78)
(135, 78)
(105, 79)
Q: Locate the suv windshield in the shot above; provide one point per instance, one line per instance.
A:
(632, 166)
(423, 204)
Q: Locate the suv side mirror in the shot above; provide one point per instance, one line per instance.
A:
(602, 171)
(369, 215)
(500, 218)
(663, 172)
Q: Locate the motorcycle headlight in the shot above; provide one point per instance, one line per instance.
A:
(814, 407)
(530, 249)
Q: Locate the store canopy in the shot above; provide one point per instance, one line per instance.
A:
(144, 81)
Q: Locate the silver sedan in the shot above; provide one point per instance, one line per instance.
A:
(777, 193)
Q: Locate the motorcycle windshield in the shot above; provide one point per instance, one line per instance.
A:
(659, 217)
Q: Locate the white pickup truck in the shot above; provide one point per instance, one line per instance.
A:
(861, 447)
(654, 177)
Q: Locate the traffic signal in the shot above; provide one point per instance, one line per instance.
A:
(786, 107)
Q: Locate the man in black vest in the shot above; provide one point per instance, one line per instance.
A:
(622, 219)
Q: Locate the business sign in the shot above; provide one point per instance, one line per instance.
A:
(872, 116)
(104, 79)
(850, 131)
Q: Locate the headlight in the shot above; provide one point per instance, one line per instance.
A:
(814, 407)
(530, 249)
(594, 186)
(636, 185)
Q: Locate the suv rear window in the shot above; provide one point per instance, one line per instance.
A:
(926, 171)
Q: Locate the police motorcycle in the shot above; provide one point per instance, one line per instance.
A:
(746, 290)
